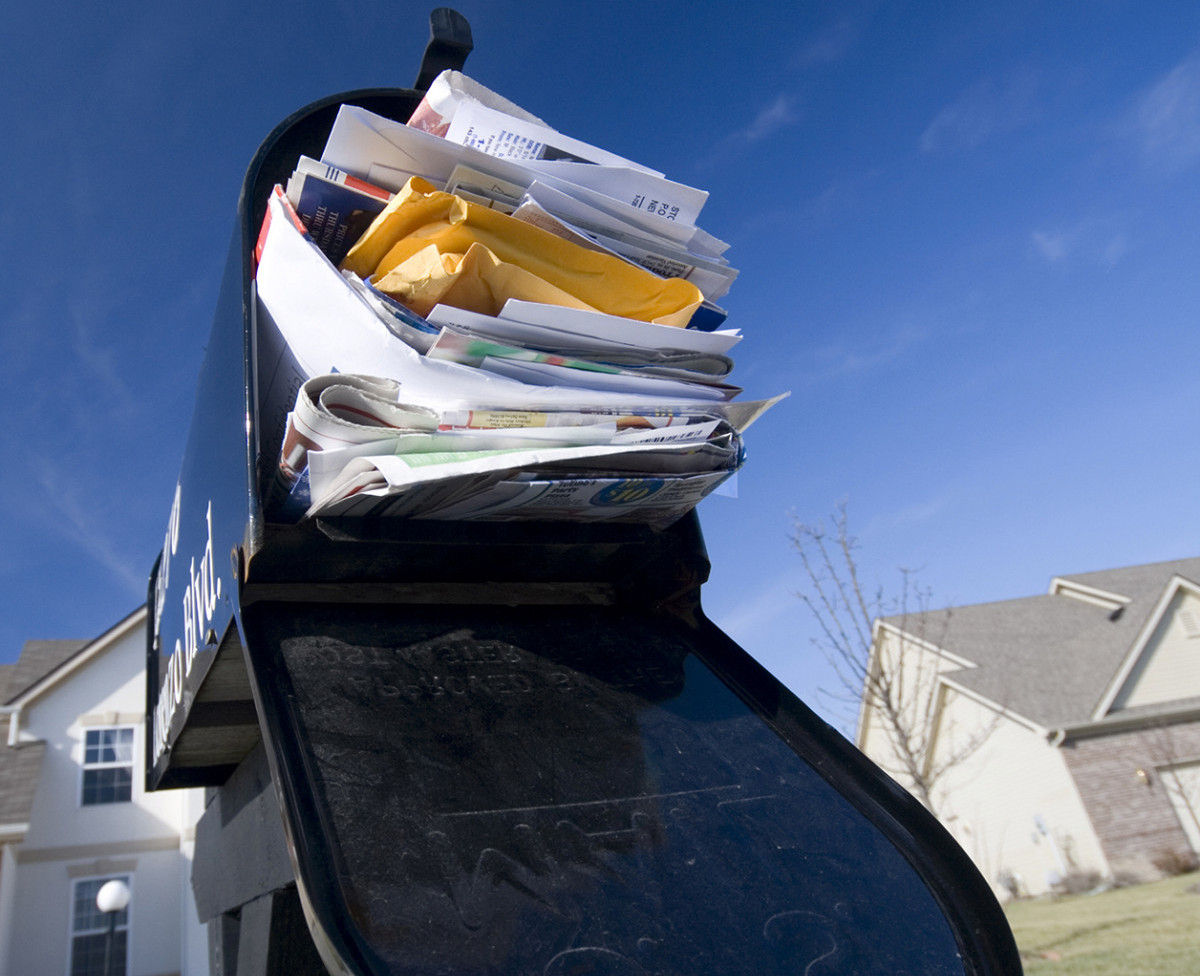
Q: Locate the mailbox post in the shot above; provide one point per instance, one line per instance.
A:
(443, 748)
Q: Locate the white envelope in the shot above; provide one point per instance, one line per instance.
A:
(386, 153)
(647, 335)
(585, 382)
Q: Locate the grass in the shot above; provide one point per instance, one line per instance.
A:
(1146, 930)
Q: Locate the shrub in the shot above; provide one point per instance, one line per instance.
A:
(1173, 862)
(1010, 881)
(1077, 882)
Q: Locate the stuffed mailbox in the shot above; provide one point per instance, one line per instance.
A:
(427, 615)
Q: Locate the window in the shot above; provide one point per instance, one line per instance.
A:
(107, 766)
(90, 928)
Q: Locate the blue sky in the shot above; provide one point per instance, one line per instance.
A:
(967, 237)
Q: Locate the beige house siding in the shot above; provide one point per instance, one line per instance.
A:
(1169, 667)
(1088, 699)
(994, 801)
(1013, 806)
(916, 671)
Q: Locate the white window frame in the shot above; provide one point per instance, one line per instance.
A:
(85, 767)
(125, 927)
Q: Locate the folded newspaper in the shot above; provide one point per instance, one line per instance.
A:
(514, 334)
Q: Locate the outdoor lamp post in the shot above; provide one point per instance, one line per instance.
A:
(112, 898)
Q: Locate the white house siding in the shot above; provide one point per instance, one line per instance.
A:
(45, 909)
(1014, 807)
(1169, 669)
(148, 839)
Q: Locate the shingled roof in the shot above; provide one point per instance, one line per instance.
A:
(38, 659)
(21, 764)
(1051, 658)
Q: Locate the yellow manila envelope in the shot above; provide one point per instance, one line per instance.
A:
(421, 216)
(476, 280)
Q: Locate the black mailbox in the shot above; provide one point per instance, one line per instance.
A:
(442, 748)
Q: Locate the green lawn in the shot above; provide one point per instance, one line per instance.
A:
(1147, 930)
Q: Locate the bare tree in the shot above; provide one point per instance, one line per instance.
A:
(884, 652)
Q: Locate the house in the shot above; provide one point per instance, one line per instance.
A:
(74, 814)
(1062, 731)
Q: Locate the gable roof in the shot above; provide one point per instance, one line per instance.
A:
(41, 665)
(44, 663)
(1053, 658)
(21, 762)
(38, 659)
(1143, 652)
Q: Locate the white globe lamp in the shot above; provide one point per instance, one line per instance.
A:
(113, 897)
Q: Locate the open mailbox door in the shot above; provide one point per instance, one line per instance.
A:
(442, 748)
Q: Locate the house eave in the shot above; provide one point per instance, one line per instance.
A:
(1062, 586)
(13, 833)
(919, 642)
(998, 707)
(76, 661)
(1121, 723)
(880, 626)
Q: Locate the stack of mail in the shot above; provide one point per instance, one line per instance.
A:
(526, 328)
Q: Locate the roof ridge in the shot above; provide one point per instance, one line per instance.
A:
(951, 608)
(1070, 577)
(1161, 564)
(1051, 657)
